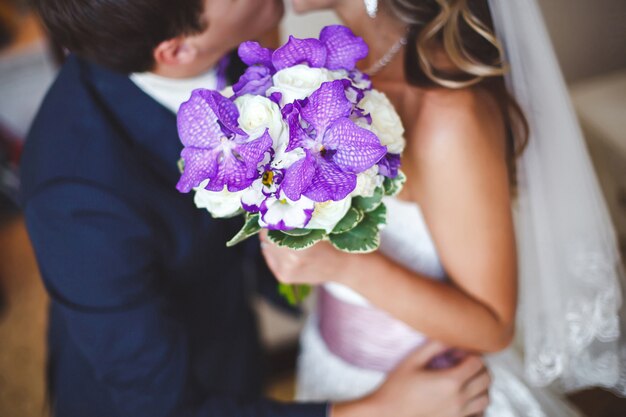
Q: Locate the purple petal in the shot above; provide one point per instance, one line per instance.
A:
(343, 48)
(357, 149)
(201, 119)
(298, 177)
(299, 51)
(252, 153)
(330, 183)
(225, 110)
(276, 97)
(327, 104)
(197, 121)
(389, 165)
(200, 164)
(232, 173)
(237, 168)
(252, 53)
(297, 135)
(256, 80)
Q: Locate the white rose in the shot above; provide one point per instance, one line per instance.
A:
(326, 215)
(298, 82)
(219, 203)
(338, 75)
(257, 113)
(386, 123)
(367, 182)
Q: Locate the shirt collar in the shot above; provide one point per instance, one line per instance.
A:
(172, 92)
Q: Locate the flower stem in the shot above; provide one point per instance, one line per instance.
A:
(294, 294)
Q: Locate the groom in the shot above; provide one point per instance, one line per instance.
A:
(150, 312)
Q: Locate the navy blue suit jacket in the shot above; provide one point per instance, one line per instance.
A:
(150, 311)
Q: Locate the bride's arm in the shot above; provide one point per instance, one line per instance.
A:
(460, 176)
(463, 187)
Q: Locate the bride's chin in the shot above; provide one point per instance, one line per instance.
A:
(303, 6)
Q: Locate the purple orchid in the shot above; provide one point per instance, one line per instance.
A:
(389, 166)
(215, 147)
(256, 80)
(343, 48)
(336, 149)
(337, 48)
(300, 51)
(264, 196)
(281, 213)
(252, 53)
(258, 76)
(264, 187)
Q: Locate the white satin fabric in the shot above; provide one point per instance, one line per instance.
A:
(322, 376)
(570, 269)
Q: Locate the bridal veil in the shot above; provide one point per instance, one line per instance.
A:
(570, 268)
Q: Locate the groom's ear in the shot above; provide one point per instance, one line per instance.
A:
(174, 52)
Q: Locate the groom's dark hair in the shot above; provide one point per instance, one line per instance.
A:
(119, 34)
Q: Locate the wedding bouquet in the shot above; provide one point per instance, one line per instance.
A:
(301, 144)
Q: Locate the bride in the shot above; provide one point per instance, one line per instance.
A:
(499, 189)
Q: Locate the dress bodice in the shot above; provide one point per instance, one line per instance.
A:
(407, 241)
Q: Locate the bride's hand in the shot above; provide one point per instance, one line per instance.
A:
(315, 265)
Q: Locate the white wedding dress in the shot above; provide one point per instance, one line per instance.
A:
(324, 376)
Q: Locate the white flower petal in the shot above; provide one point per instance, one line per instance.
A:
(258, 114)
(298, 82)
(293, 214)
(253, 196)
(219, 203)
(367, 182)
(386, 123)
(328, 214)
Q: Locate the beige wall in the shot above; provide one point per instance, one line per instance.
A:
(308, 25)
(589, 35)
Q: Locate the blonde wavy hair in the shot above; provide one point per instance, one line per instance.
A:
(463, 31)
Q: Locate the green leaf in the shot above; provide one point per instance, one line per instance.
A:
(294, 294)
(297, 232)
(181, 165)
(296, 242)
(393, 186)
(250, 228)
(349, 221)
(368, 204)
(365, 237)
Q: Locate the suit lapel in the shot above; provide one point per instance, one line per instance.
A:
(150, 126)
(147, 123)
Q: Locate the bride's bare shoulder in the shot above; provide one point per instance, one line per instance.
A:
(461, 119)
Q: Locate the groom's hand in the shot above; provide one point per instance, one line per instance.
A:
(412, 390)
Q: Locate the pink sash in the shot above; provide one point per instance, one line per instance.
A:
(369, 338)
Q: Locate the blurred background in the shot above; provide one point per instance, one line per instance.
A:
(590, 40)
